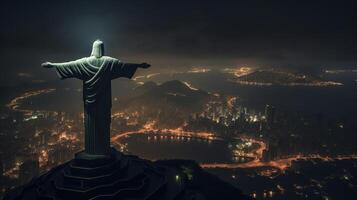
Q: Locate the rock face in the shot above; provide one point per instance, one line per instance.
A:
(125, 177)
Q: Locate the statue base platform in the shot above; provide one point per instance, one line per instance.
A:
(97, 159)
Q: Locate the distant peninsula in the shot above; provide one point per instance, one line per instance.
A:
(274, 77)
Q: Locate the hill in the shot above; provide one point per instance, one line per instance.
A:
(172, 98)
(273, 77)
(126, 177)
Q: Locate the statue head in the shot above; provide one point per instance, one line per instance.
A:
(98, 49)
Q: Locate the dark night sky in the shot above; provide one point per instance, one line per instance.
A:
(178, 34)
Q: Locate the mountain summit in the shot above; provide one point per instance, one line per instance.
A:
(125, 177)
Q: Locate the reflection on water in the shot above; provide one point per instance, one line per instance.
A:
(155, 147)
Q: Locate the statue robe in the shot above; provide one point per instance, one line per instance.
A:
(96, 74)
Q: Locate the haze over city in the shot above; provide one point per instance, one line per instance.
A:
(309, 35)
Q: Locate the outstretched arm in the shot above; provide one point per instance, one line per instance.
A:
(126, 69)
(64, 70)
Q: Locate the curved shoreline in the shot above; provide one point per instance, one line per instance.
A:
(281, 164)
(15, 103)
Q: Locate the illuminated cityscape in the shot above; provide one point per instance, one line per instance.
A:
(178, 100)
(249, 139)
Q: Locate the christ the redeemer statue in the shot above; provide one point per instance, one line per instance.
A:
(96, 72)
